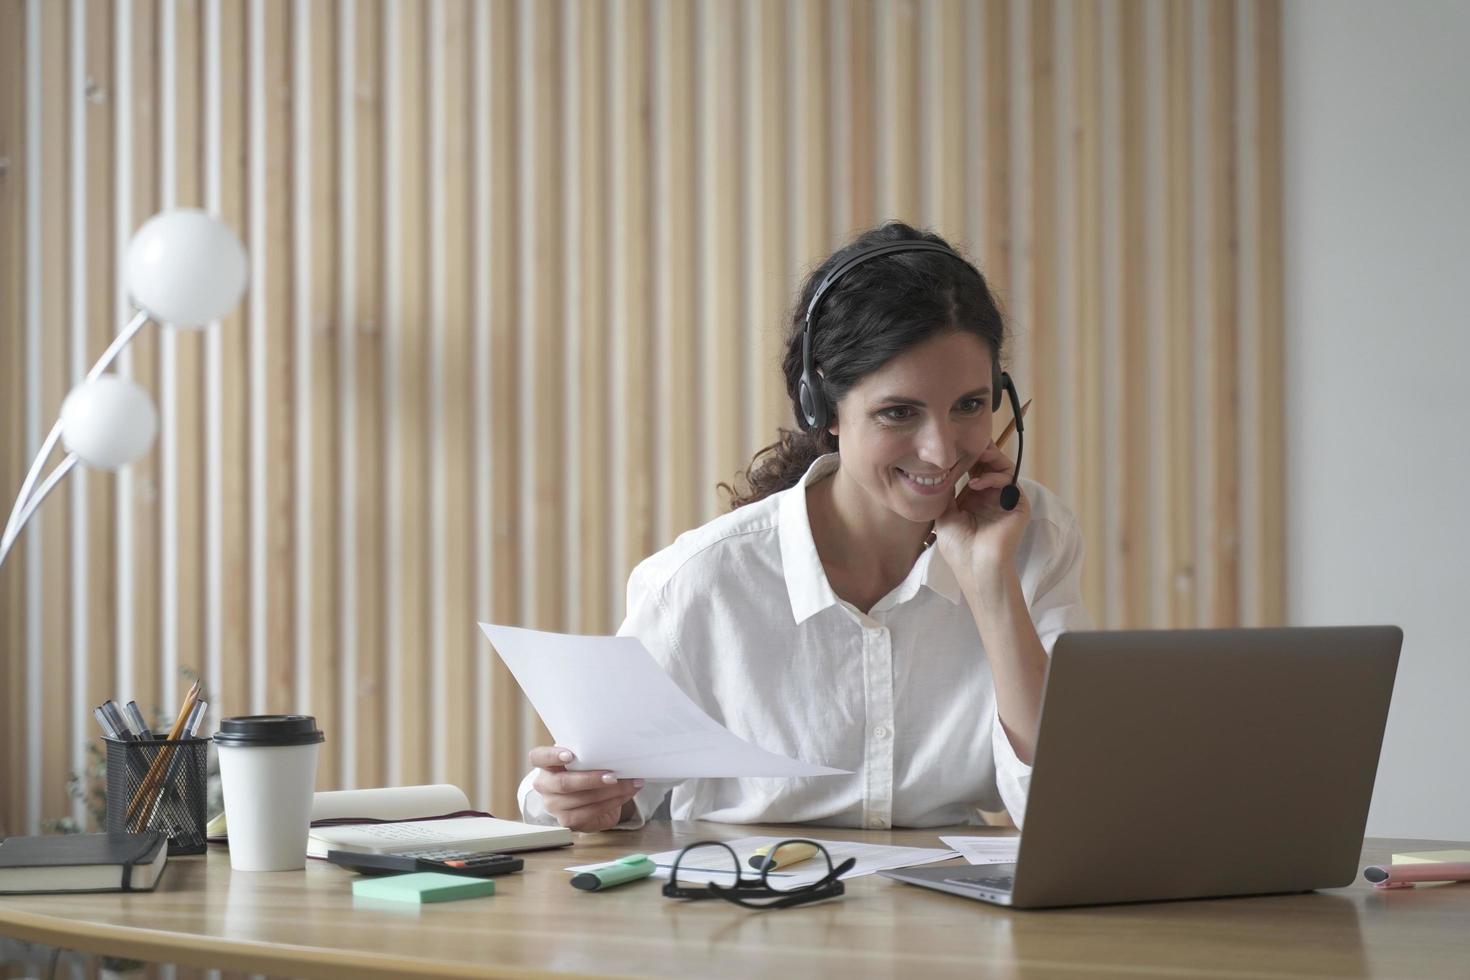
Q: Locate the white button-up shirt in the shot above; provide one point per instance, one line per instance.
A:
(739, 612)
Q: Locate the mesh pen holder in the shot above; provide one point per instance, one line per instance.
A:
(156, 784)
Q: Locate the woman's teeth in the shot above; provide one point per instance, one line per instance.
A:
(924, 481)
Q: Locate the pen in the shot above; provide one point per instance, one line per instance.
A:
(140, 725)
(788, 854)
(105, 722)
(620, 872)
(1406, 875)
(124, 730)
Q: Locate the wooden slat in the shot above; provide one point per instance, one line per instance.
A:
(322, 658)
(186, 493)
(1224, 322)
(681, 489)
(369, 419)
(15, 265)
(506, 708)
(721, 311)
(232, 687)
(540, 218)
(942, 108)
(900, 97)
(144, 512)
(864, 208)
(1269, 440)
(594, 427)
(101, 307)
(1135, 540)
(1087, 378)
(52, 539)
(277, 412)
(632, 276)
(997, 244)
(409, 671)
(457, 576)
(1179, 316)
(770, 293)
(1043, 361)
(810, 206)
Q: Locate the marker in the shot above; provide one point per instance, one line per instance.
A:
(1406, 875)
(620, 872)
(788, 854)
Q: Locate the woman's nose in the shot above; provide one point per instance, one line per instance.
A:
(939, 445)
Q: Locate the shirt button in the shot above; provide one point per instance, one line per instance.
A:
(880, 732)
(877, 823)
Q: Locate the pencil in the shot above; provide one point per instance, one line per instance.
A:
(1000, 443)
(160, 761)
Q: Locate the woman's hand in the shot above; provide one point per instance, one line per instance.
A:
(975, 534)
(585, 801)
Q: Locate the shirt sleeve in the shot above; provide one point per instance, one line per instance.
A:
(1056, 607)
(648, 619)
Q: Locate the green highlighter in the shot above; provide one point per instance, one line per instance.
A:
(422, 886)
(620, 872)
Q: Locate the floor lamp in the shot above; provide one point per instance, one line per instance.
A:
(183, 269)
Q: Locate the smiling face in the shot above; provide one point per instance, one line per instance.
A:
(910, 430)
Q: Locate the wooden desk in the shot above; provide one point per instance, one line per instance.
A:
(305, 924)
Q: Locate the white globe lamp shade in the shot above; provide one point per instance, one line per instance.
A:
(109, 422)
(185, 268)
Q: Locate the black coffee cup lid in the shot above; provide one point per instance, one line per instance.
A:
(268, 730)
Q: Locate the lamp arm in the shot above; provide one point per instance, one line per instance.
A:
(20, 513)
(118, 343)
(34, 504)
(12, 526)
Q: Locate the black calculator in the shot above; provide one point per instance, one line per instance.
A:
(474, 864)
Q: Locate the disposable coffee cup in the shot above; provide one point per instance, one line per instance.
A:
(267, 769)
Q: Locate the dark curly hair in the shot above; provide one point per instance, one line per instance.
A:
(875, 312)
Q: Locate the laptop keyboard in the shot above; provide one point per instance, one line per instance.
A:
(998, 883)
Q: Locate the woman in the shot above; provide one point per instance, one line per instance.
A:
(821, 618)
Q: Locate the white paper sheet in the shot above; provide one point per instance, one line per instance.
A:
(986, 850)
(870, 858)
(389, 803)
(606, 699)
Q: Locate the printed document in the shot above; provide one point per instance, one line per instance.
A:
(986, 850)
(606, 699)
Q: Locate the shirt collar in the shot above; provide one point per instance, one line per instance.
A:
(806, 581)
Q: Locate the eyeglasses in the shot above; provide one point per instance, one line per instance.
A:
(754, 893)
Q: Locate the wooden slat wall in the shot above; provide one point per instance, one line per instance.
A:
(519, 274)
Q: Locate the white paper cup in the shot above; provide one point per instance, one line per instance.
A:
(267, 768)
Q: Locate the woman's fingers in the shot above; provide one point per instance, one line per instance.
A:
(549, 757)
(992, 480)
(994, 459)
(619, 793)
(565, 781)
(590, 819)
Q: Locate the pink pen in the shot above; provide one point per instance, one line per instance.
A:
(1407, 875)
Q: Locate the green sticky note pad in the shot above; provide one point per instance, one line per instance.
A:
(423, 886)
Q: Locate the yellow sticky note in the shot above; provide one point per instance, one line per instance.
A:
(1431, 857)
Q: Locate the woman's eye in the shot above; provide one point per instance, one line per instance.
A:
(898, 413)
(971, 405)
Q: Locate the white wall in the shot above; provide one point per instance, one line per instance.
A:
(1377, 157)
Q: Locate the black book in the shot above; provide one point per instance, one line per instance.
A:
(82, 863)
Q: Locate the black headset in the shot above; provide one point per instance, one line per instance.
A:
(809, 390)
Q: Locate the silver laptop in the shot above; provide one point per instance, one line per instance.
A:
(1193, 764)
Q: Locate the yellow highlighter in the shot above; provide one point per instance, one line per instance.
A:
(788, 854)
